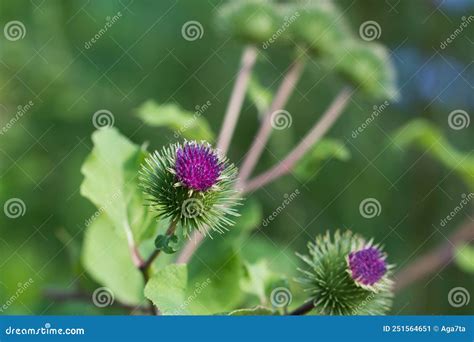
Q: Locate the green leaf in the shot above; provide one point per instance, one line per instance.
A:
(256, 278)
(167, 289)
(325, 149)
(369, 68)
(217, 265)
(106, 257)
(166, 243)
(111, 183)
(190, 125)
(464, 258)
(256, 311)
(426, 136)
(260, 96)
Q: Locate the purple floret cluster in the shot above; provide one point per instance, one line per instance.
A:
(197, 166)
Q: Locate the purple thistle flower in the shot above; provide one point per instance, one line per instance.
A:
(197, 166)
(367, 266)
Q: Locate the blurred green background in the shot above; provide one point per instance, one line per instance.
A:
(143, 56)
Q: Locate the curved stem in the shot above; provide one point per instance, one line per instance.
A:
(317, 132)
(434, 260)
(190, 248)
(286, 88)
(237, 97)
(303, 309)
(146, 265)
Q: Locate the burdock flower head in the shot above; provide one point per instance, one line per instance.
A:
(191, 184)
(348, 276)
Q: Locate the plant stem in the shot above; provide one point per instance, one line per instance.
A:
(317, 132)
(303, 309)
(146, 265)
(286, 88)
(237, 97)
(434, 260)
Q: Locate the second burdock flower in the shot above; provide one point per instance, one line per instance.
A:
(348, 276)
(192, 185)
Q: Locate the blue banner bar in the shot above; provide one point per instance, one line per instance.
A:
(243, 328)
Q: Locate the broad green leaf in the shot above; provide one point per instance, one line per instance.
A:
(464, 258)
(260, 96)
(106, 257)
(111, 183)
(186, 124)
(256, 278)
(167, 289)
(280, 260)
(423, 134)
(369, 68)
(256, 311)
(217, 265)
(325, 149)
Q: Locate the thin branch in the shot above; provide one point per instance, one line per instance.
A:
(190, 248)
(303, 309)
(146, 265)
(317, 132)
(434, 260)
(237, 97)
(286, 88)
